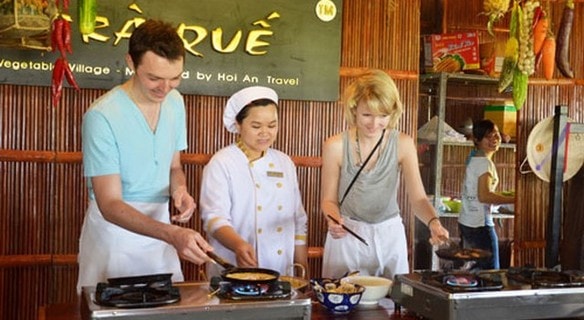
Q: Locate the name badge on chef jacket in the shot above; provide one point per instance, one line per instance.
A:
(276, 174)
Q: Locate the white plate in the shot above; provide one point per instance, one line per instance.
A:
(539, 150)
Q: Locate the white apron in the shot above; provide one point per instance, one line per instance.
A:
(109, 251)
(386, 255)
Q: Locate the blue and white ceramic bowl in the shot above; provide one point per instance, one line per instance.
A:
(336, 302)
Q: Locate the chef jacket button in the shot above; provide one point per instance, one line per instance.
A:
(280, 207)
(260, 231)
(280, 252)
(271, 165)
(251, 164)
(257, 185)
(279, 229)
(279, 184)
(259, 208)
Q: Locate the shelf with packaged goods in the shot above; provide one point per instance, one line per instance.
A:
(466, 144)
(469, 89)
(458, 77)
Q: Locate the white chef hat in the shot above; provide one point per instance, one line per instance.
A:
(242, 98)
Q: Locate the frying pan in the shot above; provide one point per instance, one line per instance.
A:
(143, 279)
(297, 282)
(458, 254)
(231, 272)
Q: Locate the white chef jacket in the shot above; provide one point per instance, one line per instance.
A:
(260, 200)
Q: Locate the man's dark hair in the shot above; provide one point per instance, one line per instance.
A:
(156, 36)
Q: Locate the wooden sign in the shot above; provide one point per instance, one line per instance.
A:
(290, 46)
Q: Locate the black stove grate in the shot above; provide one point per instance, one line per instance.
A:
(538, 278)
(137, 292)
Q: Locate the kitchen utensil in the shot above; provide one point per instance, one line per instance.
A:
(449, 244)
(466, 127)
(252, 276)
(297, 282)
(351, 273)
(213, 293)
(457, 254)
(219, 260)
(347, 229)
(153, 278)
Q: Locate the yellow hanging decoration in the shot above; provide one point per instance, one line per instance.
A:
(495, 10)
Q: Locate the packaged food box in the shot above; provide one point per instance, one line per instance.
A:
(451, 52)
(492, 55)
(504, 116)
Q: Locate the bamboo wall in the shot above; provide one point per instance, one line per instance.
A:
(42, 192)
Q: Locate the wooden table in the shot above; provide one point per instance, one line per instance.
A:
(71, 311)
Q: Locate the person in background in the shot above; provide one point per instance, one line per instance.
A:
(475, 222)
(372, 110)
(132, 138)
(250, 200)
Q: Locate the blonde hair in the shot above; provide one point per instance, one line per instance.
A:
(378, 91)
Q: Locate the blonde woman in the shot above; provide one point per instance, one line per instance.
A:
(369, 205)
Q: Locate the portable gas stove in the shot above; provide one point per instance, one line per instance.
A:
(250, 291)
(156, 298)
(522, 293)
(137, 292)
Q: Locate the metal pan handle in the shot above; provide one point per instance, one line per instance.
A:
(222, 262)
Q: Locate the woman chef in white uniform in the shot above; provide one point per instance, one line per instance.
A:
(250, 201)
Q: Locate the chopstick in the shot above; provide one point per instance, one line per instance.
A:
(347, 229)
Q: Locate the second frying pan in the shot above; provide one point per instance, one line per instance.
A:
(458, 254)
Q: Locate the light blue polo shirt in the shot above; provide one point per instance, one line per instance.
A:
(118, 140)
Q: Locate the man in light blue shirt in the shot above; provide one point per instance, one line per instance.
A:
(132, 138)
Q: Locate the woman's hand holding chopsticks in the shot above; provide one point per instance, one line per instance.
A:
(344, 228)
(335, 227)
